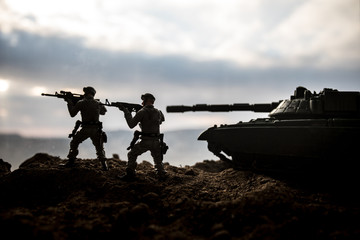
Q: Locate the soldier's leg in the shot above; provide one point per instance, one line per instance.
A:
(158, 158)
(138, 149)
(78, 138)
(96, 139)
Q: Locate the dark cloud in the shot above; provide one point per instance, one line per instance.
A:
(53, 58)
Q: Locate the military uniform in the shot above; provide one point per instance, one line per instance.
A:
(90, 110)
(149, 119)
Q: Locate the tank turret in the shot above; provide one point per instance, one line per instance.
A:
(306, 129)
(329, 103)
(303, 104)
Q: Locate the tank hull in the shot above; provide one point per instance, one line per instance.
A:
(264, 141)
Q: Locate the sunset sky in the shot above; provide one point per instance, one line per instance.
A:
(184, 52)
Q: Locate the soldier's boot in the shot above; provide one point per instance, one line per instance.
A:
(101, 157)
(130, 175)
(104, 164)
(71, 157)
(160, 172)
(70, 163)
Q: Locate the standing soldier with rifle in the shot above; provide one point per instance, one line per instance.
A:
(149, 119)
(90, 110)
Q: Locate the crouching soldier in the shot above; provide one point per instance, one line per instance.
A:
(91, 127)
(149, 119)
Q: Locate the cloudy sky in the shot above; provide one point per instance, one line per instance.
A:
(184, 52)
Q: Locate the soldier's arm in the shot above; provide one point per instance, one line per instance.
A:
(133, 121)
(102, 110)
(73, 109)
(162, 117)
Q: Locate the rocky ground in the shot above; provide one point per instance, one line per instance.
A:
(210, 200)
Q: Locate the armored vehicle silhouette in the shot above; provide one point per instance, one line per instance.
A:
(309, 129)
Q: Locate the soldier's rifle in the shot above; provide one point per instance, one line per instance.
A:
(74, 97)
(132, 107)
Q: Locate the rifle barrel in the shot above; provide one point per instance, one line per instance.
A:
(49, 95)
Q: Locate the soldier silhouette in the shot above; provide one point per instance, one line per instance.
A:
(91, 127)
(149, 119)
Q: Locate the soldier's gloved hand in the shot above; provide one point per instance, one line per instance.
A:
(121, 107)
(68, 97)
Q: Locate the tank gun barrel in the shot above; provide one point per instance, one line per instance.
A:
(262, 107)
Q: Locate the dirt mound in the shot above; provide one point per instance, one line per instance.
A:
(209, 200)
(5, 168)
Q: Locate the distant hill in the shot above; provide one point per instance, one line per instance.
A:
(184, 148)
(14, 148)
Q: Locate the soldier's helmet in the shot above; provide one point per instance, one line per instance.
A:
(90, 90)
(147, 96)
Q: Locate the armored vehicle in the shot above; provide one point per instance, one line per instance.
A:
(307, 130)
